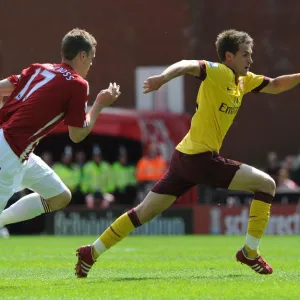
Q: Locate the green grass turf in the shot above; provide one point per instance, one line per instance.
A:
(185, 267)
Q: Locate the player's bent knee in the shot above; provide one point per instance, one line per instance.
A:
(269, 185)
(266, 191)
(66, 197)
(60, 201)
(273, 186)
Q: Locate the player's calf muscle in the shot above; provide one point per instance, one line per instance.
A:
(145, 215)
(60, 201)
(153, 205)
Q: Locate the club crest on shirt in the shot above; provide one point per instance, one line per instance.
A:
(213, 64)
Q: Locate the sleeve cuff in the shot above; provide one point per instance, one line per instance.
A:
(13, 79)
(264, 83)
(203, 74)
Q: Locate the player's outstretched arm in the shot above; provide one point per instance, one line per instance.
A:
(180, 68)
(6, 88)
(104, 98)
(281, 84)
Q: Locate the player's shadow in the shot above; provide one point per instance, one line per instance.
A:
(9, 287)
(140, 278)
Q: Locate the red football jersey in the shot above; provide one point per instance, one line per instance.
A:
(44, 95)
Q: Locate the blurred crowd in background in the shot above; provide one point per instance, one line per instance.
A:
(286, 172)
(96, 183)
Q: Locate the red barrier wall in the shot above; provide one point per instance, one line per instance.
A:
(285, 220)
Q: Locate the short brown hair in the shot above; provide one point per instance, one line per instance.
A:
(75, 41)
(230, 40)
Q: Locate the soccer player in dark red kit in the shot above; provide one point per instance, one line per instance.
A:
(40, 98)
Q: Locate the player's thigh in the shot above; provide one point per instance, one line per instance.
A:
(171, 186)
(11, 172)
(6, 193)
(174, 183)
(250, 179)
(51, 186)
(219, 171)
(40, 178)
(186, 171)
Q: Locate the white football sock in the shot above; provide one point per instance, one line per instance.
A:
(99, 246)
(26, 208)
(252, 242)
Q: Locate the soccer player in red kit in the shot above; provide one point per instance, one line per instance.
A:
(41, 97)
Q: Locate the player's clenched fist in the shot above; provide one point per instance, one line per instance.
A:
(153, 83)
(108, 96)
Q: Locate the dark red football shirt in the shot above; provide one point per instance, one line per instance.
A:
(44, 95)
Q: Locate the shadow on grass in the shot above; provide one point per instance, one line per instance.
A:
(179, 277)
(10, 287)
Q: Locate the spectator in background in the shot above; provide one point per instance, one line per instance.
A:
(132, 183)
(97, 183)
(273, 165)
(286, 184)
(296, 169)
(288, 164)
(80, 160)
(47, 158)
(150, 168)
(124, 178)
(67, 171)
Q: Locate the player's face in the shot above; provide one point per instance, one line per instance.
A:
(242, 60)
(86, 61)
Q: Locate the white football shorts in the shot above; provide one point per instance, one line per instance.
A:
(33, 174)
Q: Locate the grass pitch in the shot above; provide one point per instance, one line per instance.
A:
(185, 267)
